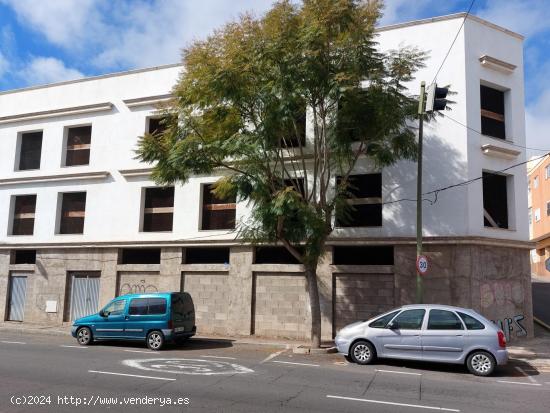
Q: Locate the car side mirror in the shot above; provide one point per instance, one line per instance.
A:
(102, 313)
(392, 326)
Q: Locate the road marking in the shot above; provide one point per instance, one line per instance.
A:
(130, 375)
(398, 372)
(298, 364)
(272, 356)
(198, 367)
(419, 406)
(63, 345)
(140, 351)
(12, 342)
(519, 382)
(531, 379)
(219, 357)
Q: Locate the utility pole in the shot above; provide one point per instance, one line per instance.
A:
(419, 292)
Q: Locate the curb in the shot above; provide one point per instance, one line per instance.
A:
(46, 331)
(309, 350)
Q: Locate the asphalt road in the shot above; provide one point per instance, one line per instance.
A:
(217, 376)
(541, 301)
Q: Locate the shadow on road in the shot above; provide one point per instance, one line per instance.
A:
(191, 344)
(509, 370)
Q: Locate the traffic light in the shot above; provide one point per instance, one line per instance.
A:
(436, 98)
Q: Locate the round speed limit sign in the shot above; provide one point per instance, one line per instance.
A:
(422, 264)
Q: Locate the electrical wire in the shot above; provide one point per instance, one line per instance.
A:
(454, 40)
(480, 133)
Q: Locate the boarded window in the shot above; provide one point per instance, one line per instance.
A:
(30, 150)
(364, 204)
(23, 215)
(78, 145)
(206, 255)
(140, 256)
(217, 213)
(274, 255)
(296, 134)
(158, 214)
(495, 200)
(73, 211)
(156, 125)
(23, 257)
(492, 112)
(363, 255)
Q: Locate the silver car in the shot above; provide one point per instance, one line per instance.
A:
(428, 332)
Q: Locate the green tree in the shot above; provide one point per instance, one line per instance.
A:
(239, 111)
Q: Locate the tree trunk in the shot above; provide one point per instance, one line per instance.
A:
(313, 290)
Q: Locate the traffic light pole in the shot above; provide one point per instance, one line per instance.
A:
(419, 292)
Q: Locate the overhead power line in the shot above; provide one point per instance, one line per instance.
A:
(454, 40)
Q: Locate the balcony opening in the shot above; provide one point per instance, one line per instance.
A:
(78, 145)
(30, 149)
(363, 207)
(73, 212)
(217, 213)
(492, 112)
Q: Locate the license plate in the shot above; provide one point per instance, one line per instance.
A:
(179, 329)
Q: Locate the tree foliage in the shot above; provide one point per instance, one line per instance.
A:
(240, 103)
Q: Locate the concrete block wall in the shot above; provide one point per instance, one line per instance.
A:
(244, 298)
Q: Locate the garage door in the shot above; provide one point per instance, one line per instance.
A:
(281, 307)
(18, 292)
(138, 282)
(211, 298)
(84, 295)
(360, 297)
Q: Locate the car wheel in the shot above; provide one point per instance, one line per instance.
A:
(481, 363)
(362, 352)
(155, 340)
(84, 336)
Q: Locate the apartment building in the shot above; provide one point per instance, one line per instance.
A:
(538, 176)
(81, 221)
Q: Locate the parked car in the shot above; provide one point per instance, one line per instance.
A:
(436, 333)
(154, 317)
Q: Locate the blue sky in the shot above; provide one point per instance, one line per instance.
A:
(53, 40)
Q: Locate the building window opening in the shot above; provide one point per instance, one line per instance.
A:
(363, 255)
(363, 207)
(23, 257)
(217, 213)
(73, 212)
(139, 256)
(23, 215)
(30, 150)
(495, 200)
(206, 255)
(158, 212)
(492, 112)
(78, 145)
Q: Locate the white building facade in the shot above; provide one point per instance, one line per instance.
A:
(80, 222)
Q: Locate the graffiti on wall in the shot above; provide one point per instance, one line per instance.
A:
(137, 288)
(512, 324)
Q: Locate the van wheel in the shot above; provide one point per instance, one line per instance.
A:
(481, 363)
(84, 336)
(155, 340)
(362, 352)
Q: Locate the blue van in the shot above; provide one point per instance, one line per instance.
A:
(153, 317)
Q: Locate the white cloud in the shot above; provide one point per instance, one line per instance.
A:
(41, 70)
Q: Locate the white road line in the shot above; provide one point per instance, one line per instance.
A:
(272, 356)
(130, 375)
(219, 357)
(140, 351)
(63, 345)
(298, 364)
(531, 379)
(519, 382)
(398, 372)
(12, 342)
(419, 406)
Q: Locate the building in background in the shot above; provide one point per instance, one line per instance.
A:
(538, 175)
(81, 221)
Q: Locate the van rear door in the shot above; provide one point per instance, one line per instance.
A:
(183, 313)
